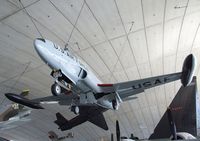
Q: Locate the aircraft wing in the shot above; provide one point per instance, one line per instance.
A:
(36, 103)
(61, 99)
(126, 89)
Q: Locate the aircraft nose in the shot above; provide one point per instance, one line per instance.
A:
(39, 45)
(41, 39)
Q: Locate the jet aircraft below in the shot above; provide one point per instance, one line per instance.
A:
(14, 115)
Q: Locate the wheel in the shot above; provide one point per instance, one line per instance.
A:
(56, 89)
(75, 109)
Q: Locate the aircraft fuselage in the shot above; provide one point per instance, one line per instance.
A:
(59, 59)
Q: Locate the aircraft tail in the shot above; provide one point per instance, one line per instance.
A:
(184, 112)
(24, 93)
(61, 121)
(99, 121)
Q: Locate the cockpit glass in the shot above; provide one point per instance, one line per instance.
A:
(62, 50)
(55, 46)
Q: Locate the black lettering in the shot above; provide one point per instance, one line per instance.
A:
(137, 86)
(166, 79)
(157, 81)
(147, 84)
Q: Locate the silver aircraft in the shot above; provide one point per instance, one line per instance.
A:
(14, 115)
(75, 85)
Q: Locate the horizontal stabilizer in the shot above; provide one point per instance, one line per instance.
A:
(23, 101)
(99, 121)
(60, 119)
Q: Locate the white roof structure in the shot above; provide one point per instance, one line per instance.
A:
(119, 40)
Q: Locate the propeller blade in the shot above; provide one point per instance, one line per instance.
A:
(112, 137)
(117, 130)
(171, 124)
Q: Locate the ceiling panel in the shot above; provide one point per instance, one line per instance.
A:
(159, 38)
(189, 29)
(139, 46)
(110, 8)
(123, 50)
(108, 54)
(22, 23)
(51, 18)
(24, 2)
(152, 11)
(175, 8)
(7, 9)
(70, 8)
(171, 33)
(92, 59)
(131, 13)
(89, 27)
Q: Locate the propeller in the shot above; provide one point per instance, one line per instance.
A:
(171, 124)
(117, 130)
(112, 137)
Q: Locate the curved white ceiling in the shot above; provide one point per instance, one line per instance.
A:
(119, 40)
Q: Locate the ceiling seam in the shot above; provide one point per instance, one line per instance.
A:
(126, 34)
(31, 19)
(106, 39)
(135, 63)
(135, 31)
(21, 50)
(180, 31)
(74, 25)
(16, 30)
(145, 94)
(83, 37)
(16, 81)
(18, 9)
(20, 73)
(192, 46)
(108, 42)
(163, 53)
(179, 36)
(194, 38)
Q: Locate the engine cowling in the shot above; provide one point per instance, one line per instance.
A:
(115, 104)
(188, 70)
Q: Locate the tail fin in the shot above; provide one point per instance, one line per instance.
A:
(60, 120)
(99, 121)
(183, 110)
(24, 93)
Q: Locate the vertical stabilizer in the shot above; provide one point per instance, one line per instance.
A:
(184, 112)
